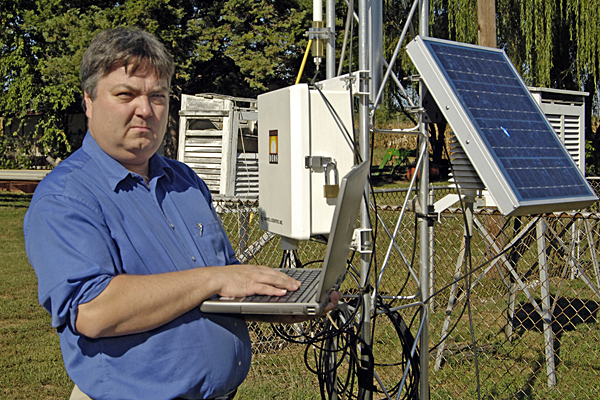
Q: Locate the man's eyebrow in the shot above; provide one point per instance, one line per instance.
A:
(163, 88)
(130, 88)
(124, 87)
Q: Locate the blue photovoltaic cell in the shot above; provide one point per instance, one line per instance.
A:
(523, 144)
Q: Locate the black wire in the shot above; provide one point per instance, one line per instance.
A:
(467, 280)
(407, 341)
(320, 352)
(341, 125)
(348, 342)
(319, 335)
(339, 121)
(475, 269)
(290, 259)
(314, 78)
(318, 331)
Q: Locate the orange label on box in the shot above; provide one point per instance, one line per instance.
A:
(273, 147)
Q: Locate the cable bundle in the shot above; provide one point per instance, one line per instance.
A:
(343, 363)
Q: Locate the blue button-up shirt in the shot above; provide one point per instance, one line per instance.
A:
(91, 219)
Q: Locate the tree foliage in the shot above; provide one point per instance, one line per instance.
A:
(232, 47)
(245, 47)
(552, 43)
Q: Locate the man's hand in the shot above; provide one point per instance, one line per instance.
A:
(138, 303)
(246, 280)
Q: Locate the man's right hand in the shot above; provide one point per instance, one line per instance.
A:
(246, 280)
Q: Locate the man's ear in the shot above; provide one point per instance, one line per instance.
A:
(87, 102)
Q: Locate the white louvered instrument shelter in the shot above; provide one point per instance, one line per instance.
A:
(218, 140)
(565, 110)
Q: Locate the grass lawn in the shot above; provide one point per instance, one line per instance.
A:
(31, 365)
(30, 361)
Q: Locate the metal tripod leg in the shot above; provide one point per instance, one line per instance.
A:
(580, 270)
(546, 306)
(451, 302)
(592, 245)
(459, 263)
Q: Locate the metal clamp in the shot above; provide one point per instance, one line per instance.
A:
(361, 241)
(316, 162)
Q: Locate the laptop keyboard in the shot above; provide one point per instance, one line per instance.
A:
(308, 288)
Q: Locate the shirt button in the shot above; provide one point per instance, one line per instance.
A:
(193, 258)
(239, 363)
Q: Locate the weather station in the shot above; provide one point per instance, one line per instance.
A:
(311, 136)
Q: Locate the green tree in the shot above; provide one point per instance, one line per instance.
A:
(232, 47)
(552, 43)
(243, 48)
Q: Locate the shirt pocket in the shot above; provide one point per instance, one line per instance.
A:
(211, 242)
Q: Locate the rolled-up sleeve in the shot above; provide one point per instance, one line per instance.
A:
(69, 247)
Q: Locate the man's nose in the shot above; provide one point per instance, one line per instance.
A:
(144, 107)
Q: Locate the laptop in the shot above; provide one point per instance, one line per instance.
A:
(313, 295)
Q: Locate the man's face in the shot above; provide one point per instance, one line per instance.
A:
(128, 117)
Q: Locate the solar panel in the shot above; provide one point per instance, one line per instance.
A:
(501, 128)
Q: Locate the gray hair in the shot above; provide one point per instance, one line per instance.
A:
(123, 47)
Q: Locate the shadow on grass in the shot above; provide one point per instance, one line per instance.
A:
(15, 199)
(567, 313)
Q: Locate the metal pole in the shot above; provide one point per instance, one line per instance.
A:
(389, 71)
(424, 227)
(424, 18)
(330, 54)
(546, 303)
(376, 45)
(363, 140)
(424, 264)
(431, 257)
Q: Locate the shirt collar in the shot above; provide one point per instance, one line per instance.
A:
(114, 171)
(159, 168)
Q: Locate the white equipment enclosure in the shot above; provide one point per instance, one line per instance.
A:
(305, 146)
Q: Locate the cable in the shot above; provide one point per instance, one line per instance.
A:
(304, 61)
(316, 74)
(339, 121)
(335, 341)
(332, 342)
(407, 341)
(470, 271)
(290, 259)
(328, 358)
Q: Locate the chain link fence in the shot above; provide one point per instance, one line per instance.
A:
(513, 305)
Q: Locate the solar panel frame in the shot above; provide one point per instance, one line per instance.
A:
(501, 127)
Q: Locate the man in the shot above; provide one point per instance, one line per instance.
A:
(126, 245)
